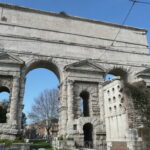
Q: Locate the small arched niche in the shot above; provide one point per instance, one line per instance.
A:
(84, 104)
(4, 103)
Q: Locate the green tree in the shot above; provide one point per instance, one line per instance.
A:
(3, 111)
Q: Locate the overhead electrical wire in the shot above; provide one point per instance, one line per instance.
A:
(125, 19)
(142, 2)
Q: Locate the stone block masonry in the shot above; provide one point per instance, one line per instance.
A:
(79, 52)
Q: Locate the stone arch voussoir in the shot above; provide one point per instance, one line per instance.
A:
(121, 71)
(84, 120)
(44, 62)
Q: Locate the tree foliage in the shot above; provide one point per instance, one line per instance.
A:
(3, 111)
(24, 120)
(45, 108)
(30, 133)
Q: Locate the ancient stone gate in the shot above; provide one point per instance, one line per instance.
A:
(80, 52)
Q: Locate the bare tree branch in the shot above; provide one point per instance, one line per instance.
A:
(45, 109)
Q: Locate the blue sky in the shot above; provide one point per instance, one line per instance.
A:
(105, 10)
(36, 81)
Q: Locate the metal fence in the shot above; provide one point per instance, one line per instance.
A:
(18, 146)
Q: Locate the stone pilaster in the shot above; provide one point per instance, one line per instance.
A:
(21, 106)
(101, 103)
(70, 100)
(64, 107)
(14, 101)
(70, 106)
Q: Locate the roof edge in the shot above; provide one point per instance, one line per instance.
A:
(22, 8)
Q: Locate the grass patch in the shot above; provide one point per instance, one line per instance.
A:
(40, 144)
(8, 143)
(36, 144)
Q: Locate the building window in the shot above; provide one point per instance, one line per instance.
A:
(84, 104)
(74, 127)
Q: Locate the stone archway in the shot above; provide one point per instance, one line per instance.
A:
(42, 62)
(122, 72)
(45, 63)
(88, 135)
(4, 104)
(82, 59)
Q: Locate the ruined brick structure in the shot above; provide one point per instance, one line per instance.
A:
(80, 52)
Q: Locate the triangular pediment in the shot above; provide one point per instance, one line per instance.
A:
(9, 59)
(85, 65)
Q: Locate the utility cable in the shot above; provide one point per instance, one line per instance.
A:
(124, 22)
(142, 2)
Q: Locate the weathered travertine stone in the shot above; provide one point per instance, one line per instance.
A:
(14, 101)
(80, 52)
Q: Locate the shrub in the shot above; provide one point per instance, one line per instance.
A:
(7, 143)
(60, 138)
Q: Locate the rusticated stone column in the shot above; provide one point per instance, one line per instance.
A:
(101, 103)
(63, 109)
(70, 100)
(20, 103)
(14, 101)
(70, 106)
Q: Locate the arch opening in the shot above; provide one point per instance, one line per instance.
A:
(4, 89)
(4, 103)
(40, 76)
(115, 72)
(84, 104)
(88, 135)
